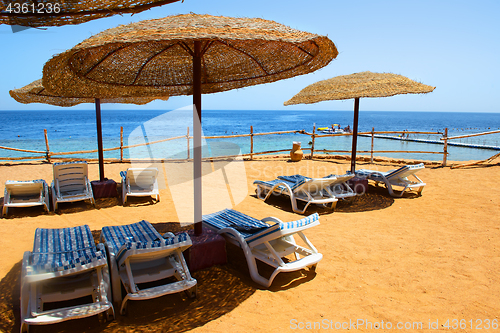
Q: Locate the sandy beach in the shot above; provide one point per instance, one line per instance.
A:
(416, 262)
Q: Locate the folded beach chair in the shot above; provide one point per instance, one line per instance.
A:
(25, 194)
(65, 277)
(71, 183)
(396, 177)
(308, 190)
(138, 254)
(269, 240)
(140, 182)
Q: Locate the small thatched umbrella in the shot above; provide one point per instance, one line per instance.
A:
(36, 93)
(186, 55)
(57, 13)
(364, 84)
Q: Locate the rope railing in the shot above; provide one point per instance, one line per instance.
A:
(48, 155)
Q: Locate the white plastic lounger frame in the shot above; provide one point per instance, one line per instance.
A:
(71, 183)
(139, 254)
(267, 242)
(397, 177)
(25, 194)
(140, 182)
(65, 265)
(309, 190)
(339, 188)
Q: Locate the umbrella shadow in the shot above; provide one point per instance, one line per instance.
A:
(107, 202)
(74, 207)
(219, 292)
(282, 202)
(140, 201)
(375, 198)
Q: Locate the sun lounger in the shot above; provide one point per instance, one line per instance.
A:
(25, 194)
(396, 177)
(71, 183)
(269, 240)
(140, 182)
(339, 187)
(65, 266)
(308, 190)
(138, 254)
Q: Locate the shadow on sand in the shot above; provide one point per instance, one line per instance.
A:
(220, 290)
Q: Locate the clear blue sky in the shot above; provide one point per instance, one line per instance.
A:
(453, 45)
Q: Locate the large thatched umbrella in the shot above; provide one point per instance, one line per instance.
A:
(57, 13)
(186, 55)
(36, 93)
(357, 85)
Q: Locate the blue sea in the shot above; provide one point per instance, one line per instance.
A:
(75, 130)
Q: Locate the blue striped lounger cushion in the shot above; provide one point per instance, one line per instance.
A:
(136, 236)
(256, 229)
(61, 249)
(293, 185)
(293, 178)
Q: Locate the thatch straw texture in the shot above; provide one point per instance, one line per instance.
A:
(44, 13)
(36, 93)
(154, 57)
(364, 84)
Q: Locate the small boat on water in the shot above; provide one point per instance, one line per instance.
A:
(335, 129)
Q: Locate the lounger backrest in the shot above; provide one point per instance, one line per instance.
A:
(284, 229)
(116, 236)
(314, 184)
(405, 171)
(140, 235)
(71, 176)
(229, 218)
(24, 188)
(142, 177)
(293, 178)
(396, 172)
(60, 249)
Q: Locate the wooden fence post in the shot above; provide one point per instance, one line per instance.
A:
(445, 146)
(47, 145)
(187, 136)
(251, 142)
(121, 144)
(373, 137)
(313, 139)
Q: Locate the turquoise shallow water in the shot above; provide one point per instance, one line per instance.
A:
(75, 130)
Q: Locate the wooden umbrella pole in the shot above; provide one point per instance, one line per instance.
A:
(355, 134)
(99, 138)
(197, 138)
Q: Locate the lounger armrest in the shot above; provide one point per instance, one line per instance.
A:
(272, 219)
(6, 196)
(302, 262)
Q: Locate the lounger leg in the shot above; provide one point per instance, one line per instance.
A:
(4, 211)
(25, 294)
(420, 189)
(252, 264)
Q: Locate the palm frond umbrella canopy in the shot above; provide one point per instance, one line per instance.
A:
(36, 93)
(358, 85)
(59, 13)
(186, 55)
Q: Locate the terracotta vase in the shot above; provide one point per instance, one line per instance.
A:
(296, 154)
